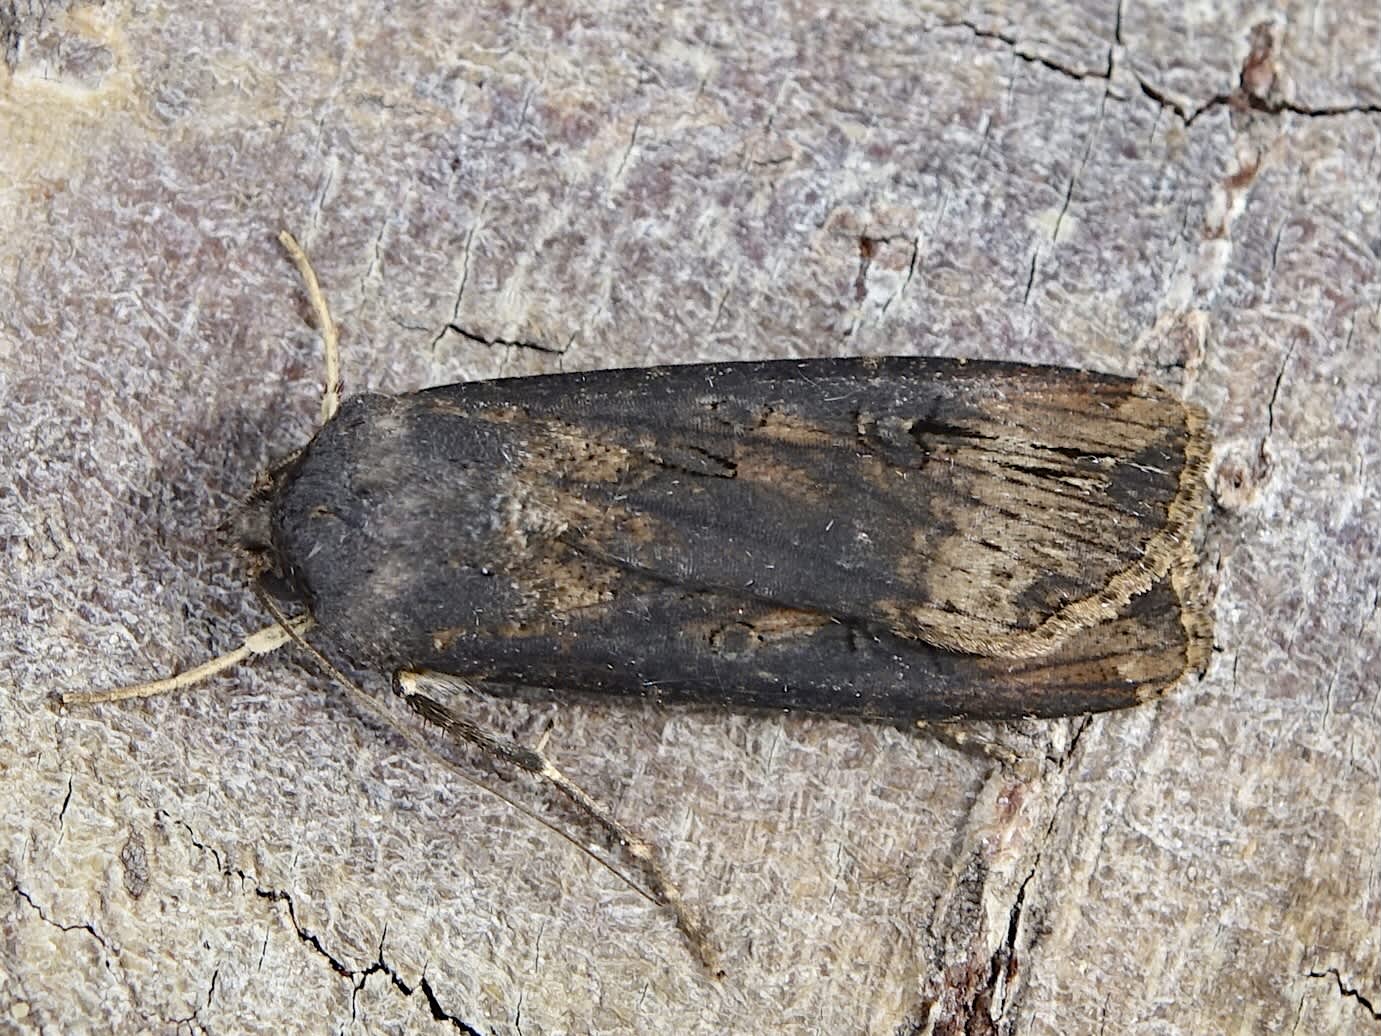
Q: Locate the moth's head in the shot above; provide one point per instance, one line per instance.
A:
(251, 528)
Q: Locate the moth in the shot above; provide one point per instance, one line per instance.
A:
(895, 538)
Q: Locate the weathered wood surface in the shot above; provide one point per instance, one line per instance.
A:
(495, 189)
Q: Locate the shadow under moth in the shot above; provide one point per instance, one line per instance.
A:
(896, 538)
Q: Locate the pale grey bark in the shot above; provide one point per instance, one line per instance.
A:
(496, 189)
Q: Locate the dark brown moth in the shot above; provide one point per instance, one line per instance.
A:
(898, 538)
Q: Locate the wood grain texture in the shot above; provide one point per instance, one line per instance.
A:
(1182, 192)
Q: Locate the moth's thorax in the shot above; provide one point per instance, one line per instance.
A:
(391, 522)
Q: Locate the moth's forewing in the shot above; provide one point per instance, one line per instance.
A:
(989, 508)
(813, 534)
(671, 646)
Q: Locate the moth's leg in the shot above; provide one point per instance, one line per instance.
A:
(959, 736)
(409, 685)
(270, 638)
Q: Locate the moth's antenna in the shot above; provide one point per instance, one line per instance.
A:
(330, 338)
(270, 638)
